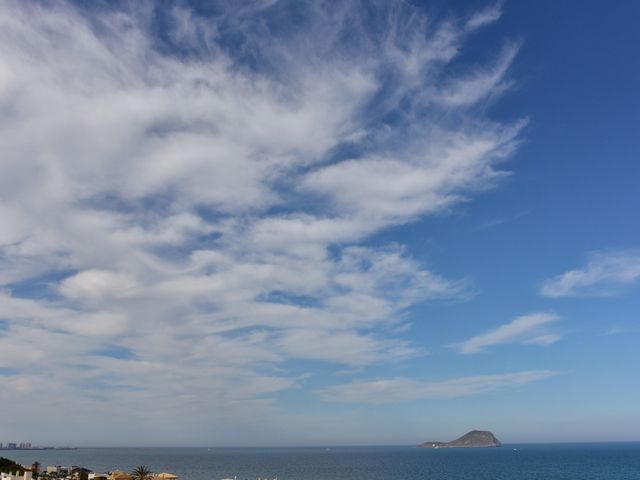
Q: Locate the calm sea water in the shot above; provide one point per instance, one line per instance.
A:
(610, 461)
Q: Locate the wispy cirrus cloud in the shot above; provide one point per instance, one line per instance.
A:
(607, 273)
(200, 199)
(526, 329)
(397, 390)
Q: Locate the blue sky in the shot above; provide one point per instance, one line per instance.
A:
(286, 223)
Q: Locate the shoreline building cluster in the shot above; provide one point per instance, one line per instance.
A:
(28, 475)
(59, 472)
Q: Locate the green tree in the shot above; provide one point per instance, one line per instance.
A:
(35, 469)
(9, 466)
(141, 472)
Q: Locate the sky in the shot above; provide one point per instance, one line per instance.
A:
(282, 222)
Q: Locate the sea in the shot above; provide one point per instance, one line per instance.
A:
(585, 461)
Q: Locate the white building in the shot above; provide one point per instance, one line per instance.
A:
(11, 476)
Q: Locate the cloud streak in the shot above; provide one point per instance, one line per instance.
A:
(398, 390)
(527, 329)
(607, 273)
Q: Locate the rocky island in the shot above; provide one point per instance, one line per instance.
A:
(472, 439)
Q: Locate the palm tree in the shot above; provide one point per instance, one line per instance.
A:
(35, 468)
(141, 472)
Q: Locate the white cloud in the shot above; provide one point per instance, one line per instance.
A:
(544, 340)
(430, 178)
(184, 200)
(95, 284)
(607, 273)
(524, 329)
(397, 390)
(342, 347)
(486, 16)
(479, 85)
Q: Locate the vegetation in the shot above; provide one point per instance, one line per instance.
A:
(9, 466)
(141, 473)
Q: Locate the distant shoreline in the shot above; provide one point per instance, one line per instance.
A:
(405, 445)
(3, 449)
